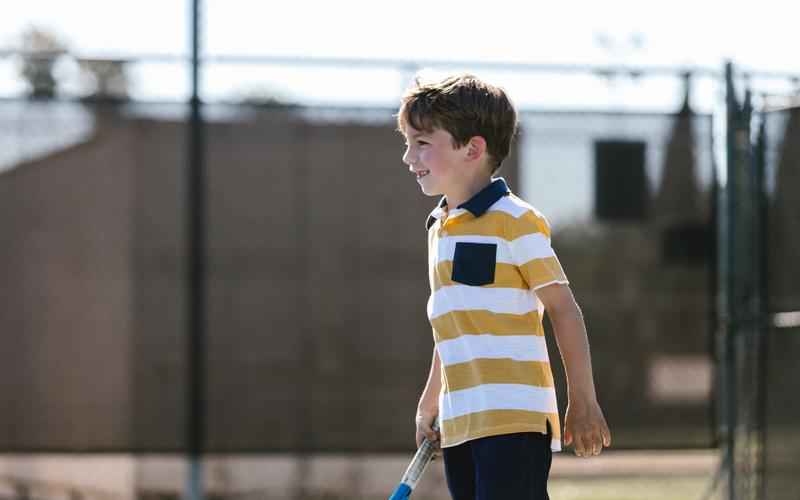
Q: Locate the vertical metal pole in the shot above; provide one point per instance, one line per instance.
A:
(762, 313)
(729, 248)
(713, 279)
(195, 411)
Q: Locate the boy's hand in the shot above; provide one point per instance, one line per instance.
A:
(585, 428)
(425, 430)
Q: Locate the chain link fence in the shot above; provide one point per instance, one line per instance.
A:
(317, 340)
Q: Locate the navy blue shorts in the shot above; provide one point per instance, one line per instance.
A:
(505, 467)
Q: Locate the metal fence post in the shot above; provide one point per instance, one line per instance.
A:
(196, 275)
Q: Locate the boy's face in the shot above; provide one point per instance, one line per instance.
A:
(433, 160)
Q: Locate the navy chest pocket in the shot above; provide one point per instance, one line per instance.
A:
(474, 263)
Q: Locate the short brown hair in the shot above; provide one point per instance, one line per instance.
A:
(464, 106)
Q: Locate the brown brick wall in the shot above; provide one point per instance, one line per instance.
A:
(317, 286)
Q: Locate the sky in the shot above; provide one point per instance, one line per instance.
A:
(757, 36)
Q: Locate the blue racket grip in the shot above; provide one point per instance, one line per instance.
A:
(402, 492)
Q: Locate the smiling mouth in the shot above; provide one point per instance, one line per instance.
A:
(422, 173)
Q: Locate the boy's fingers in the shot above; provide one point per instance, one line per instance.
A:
(597, 443)
(567, 437)
(588, 445)
(594, 442)
(425, 429)
(580, 446)
(428, 431)
(606, 437)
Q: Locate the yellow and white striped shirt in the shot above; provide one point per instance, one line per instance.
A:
(486, 258)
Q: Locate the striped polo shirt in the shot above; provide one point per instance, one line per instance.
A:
(485, 259)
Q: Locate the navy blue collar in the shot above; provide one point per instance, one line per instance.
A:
(478, 204)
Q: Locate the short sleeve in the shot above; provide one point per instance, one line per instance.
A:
(529, 239)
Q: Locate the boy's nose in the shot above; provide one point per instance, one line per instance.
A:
(407, 157)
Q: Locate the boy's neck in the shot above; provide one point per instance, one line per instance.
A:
(462, 193)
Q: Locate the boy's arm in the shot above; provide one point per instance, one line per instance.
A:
(428, 407)
(584, 424)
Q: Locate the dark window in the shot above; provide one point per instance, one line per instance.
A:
(620, 181)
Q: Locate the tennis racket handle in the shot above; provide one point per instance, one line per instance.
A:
(421, 459)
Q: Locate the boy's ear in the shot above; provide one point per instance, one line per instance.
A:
(476, 147)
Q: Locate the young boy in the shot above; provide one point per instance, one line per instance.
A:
(493, 274)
